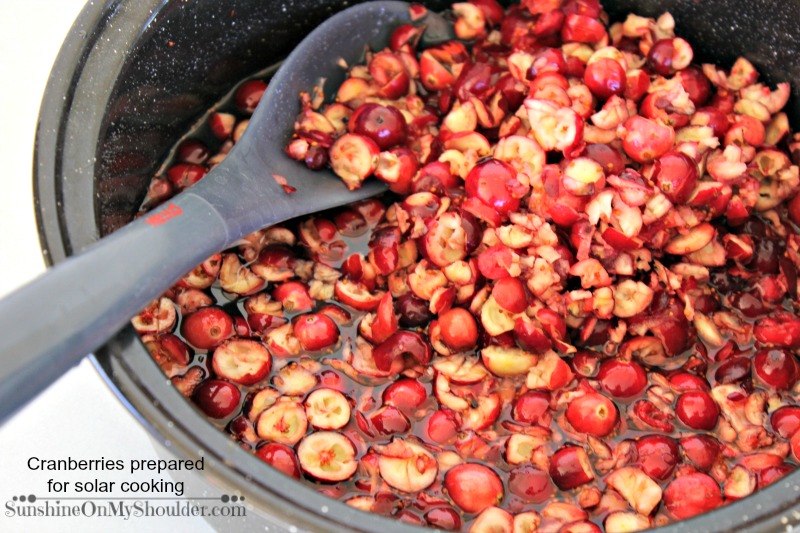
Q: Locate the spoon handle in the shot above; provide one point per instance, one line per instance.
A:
(50, 324)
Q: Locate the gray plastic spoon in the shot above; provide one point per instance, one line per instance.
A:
(50, 324)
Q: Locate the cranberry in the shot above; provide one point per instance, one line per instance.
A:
(733, 370)
(570, 468)
(530, 484)
(772, 474)
(206, 328)
(582, 29)
(401, 345)
(280, 457)
(530, 336)
(509, 293)
(647, 140)
(184, 175)
(605, 78)
(445, 518)
(697, 410)
(316, 157)
(533, 407)
(495, 184)
(316, 331)
(389, 420)
(701, 451)
(294, 296)
(473, 487)
(610, 158)
(657, 456)
(458, 329)
(683, 381)
(217, 398)
(660, 57)
(691, 495)
(775, 367)
(192, 151)
(622, 379)
(593, 414)
(786, 421)
(412, 312)
(249, 94)
(443, 426)
(383, 124)
(586, 362)
(696, 84)
(406, 394)
(675, 173)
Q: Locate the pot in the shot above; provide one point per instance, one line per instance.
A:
(132, 77)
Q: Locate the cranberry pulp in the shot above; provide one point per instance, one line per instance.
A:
(576, 309)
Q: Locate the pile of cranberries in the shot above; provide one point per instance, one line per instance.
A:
(574, 312)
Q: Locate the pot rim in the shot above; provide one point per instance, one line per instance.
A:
(131, 374)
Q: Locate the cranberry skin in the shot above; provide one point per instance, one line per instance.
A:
(406, 394)
(605, 78)
(622, 379)
(593, 414)
(530, 484)
(459, 330)
(495, 184)
(249, 94)
(657, 456)
(701, 451)
(691, 495)
(217, 398)
(445, 518)
(413, 312)
(786, 421)
(697, 410)
(473, 487)
(532, 407)
(775, 367)
(660, 57)
(570, 468)
(316, 331)
(207, 327)
(443, 426)
(675, 173)
(280, 457)
(383, 124)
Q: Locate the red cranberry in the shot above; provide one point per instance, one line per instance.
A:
(610, 158)
(697, 410)
(316, 157)
(530, 484)
(660, 57)
(316, 331)
(412, 312)
(691, 495)
(383, 124)
(184, 175)
(249, 94)
(585, 363)
(193, 151)
(473, 487)
(683, 382)
(280, 457)
(533, 407)
(696, 84)
(495, 184)
(605, 78)
(775, 367)
(445, 518)
(400, 346)
(733, 370)
(217, 398)
(593, 414)
(657, 456)
(389, 420)
(772, 474)
(443, 426)
(675, 173)
(207, 327)
(647, 140)
(622, 379)
(509, 293)
(701, 451)
(406, 394)
(570, 468)
(786, 421)
(530, 336)
(459, 329)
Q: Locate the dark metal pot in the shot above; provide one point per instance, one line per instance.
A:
(133, 76)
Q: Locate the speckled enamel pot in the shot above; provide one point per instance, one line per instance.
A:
(132, 76)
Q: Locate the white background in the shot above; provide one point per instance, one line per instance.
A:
(78, 416)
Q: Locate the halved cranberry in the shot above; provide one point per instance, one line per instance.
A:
(473, 487)
(530, 484)
(445, 518)
(533, 407)
(696, 84)
(509, 293)
(593, 414)
(248, 95)
(675, 173)
(733, 370)
(206, 328)
(786, 421)
(413, 312)
(701, 451)
(657, 455)
(459, 329)
(280, 457)
(399, 346)
(217, 398)
(406, 394)
(691, 495)
(647, 140)
(622, 379)
(443, 426)
(570, 467)
(775, 367)
(697, 410)
(495, 184)
(192, 151)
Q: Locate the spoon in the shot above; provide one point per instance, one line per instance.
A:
(50, 324)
